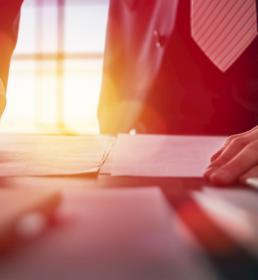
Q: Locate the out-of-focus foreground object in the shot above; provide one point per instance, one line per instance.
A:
(19, 204)
(111, 234)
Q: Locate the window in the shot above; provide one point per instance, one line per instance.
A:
(56, 70)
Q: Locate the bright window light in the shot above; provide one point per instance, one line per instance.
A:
(56, 69)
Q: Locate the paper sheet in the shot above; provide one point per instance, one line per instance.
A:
(52, 155)
(163, 156)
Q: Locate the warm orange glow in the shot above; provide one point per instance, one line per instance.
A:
(41, 96)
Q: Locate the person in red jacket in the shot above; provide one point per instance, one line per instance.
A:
(180, 67)
(184, 67)
(160, 77)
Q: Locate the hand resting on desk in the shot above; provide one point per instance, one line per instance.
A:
(237, 160)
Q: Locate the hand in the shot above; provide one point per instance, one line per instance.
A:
(236, 161)
(2, 98)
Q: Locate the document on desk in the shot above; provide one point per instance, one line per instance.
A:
(163, 156)
(22, 155)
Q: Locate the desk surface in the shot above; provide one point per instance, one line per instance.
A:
(231, 261)
(177, 192)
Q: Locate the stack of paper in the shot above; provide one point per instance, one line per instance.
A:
(52, 155)
(163, 156)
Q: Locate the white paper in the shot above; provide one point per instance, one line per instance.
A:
(163, 156)
(26, 155)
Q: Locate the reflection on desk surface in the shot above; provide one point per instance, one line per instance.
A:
(110, 234)
(132, 233)
(225, 226)
(235, 212)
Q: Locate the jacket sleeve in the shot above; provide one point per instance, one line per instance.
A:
(9, 23)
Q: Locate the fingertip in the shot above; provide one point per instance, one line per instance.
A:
(208, 172)
(221, 177)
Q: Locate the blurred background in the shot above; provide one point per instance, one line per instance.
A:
(56, 70)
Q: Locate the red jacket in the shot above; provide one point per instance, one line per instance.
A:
(9, 21)
(155, 77)
(157, 80)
